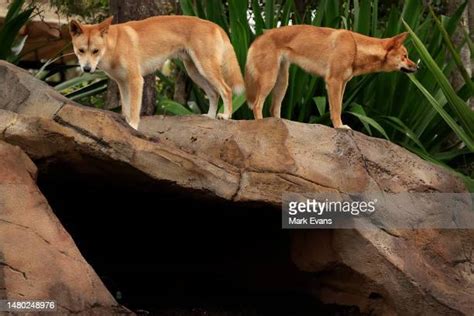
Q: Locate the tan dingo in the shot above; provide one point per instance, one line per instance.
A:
(335, 55)
(129, 51)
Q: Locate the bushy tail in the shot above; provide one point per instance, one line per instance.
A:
(250, 81)
(232, 74)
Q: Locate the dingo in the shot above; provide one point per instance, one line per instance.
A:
(129, 51)
(335, 55)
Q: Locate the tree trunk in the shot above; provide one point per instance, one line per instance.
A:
(458, 39)
(124, 11)
(470, 14)
(182, 87)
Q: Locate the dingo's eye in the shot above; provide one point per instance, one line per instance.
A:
(81, 51)
(95, 51)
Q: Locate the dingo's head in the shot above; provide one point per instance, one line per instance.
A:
(89, 42)
(397, 55)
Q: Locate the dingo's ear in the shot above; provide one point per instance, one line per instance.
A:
(396, 41)
(400, 38)
(104, 25)
(75, 28)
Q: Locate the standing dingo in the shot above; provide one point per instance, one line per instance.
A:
(129, 51)
(335, 55)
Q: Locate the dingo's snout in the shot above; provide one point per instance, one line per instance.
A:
(410, 67)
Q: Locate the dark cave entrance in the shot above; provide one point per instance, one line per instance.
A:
(168, 252)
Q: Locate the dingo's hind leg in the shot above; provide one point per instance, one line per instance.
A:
(211, 93)
(279, 90)
(210, 67)
(260, 77)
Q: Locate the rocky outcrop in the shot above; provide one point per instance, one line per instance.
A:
(238, 160)
(382, 271)
(38, 258)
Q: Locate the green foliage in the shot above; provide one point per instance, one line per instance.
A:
(86, 89)
(421, 112)
(11, 43)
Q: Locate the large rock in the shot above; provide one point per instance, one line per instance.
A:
(406, 272)
(38, 258)
(239, 160)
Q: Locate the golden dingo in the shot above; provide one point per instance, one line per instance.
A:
(129, 51)
(335, 55)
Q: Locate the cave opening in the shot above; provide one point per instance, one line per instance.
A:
(163, 250)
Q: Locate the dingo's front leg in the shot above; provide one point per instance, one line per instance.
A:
(280, 88)
(135, 92)
(342, 99)
(124, 99)
(335, 89)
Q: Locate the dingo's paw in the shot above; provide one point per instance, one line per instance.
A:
(134, 125)
(344, 127)
(209, 115)
(223, 116)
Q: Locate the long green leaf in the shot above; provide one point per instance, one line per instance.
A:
(371, 122)
(87, 91)
(175, 108)
(257, 15)
(464, 114)
(453, 51)
(411, 12)
(357, 108)
(375, 17)
(320, 104)
(286, 12)
(14, 10)
(455, 19)
(187, 7)
(404, 129)
(318, 19)
(362, 12)
(451, 154)
(447, 118)
(269, 14)
(215, 11)
(79, 80)
(9, 32)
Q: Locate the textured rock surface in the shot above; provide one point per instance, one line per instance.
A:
(38, 258)
(408, 272)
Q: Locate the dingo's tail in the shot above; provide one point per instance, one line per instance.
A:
(251, 84)
(232, 74)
